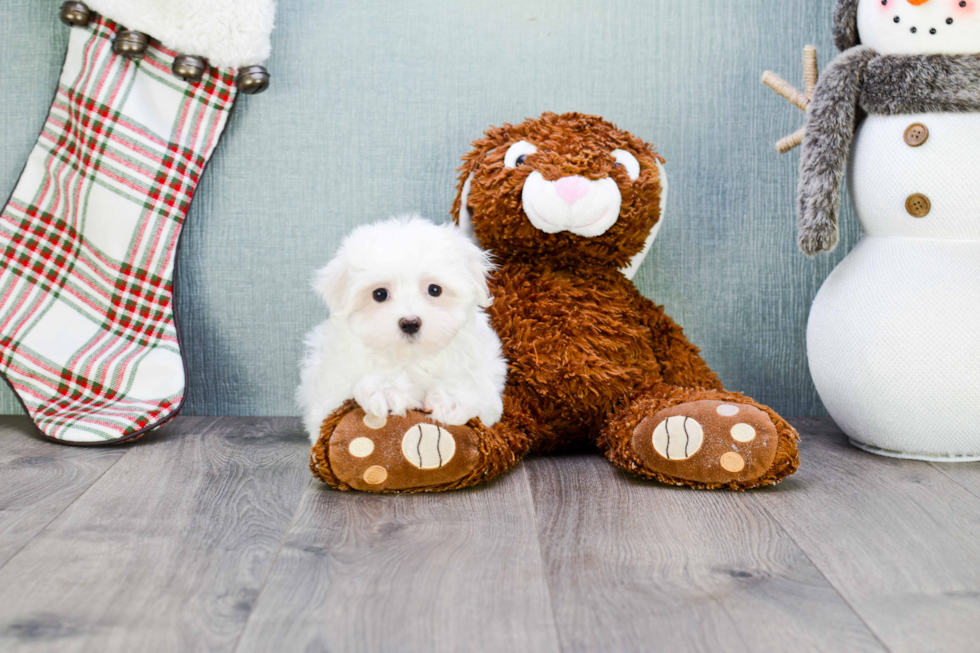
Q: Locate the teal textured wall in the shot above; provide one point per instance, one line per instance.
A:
(374, 102)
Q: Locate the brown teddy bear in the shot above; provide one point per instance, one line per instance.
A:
(568, 205)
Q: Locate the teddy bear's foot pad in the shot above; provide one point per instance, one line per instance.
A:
(710, 442)
(391, 454)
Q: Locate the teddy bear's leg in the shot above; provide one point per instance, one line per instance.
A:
(701, 438)
(411, 453)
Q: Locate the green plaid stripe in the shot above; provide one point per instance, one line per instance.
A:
(87, 333)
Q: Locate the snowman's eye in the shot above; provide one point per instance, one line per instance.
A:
(517, 153)
(629, 162)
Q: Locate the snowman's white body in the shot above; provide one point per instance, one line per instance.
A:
(894, 334)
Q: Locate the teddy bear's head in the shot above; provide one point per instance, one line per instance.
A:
(909, 26)
(571, 189)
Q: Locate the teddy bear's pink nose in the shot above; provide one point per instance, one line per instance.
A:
(572, 189)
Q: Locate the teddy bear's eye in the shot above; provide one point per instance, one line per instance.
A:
(435, 290)
(628, 161)
(517, 154)
(380, 295)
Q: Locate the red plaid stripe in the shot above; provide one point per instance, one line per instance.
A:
(41, 250)
(87, 334)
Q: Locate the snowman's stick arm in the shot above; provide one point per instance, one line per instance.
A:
(831, 121)
(795, 139)
(783, 88)
(811, 71)
(799, 99)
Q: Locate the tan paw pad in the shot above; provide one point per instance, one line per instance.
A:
(361, 447)
(678, 438)
(375, 422)
(743, 433)
(727, 410)
(732, 462)
(375, 475)
(427, 446)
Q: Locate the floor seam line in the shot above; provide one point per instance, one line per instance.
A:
(830, 583)
(272, 566)
(953, 480)
(544, 571)
(63, 510)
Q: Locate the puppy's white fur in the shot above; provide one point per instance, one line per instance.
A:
(452, 367)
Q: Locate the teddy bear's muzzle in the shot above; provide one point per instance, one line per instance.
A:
(575, 204)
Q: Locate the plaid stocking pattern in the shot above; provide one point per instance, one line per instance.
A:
(88, 241)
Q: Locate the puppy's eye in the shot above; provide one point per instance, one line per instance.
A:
(380, 295)
(517, 154)
(628, 161)
(435, 290)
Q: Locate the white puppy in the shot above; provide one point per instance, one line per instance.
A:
(406, 328)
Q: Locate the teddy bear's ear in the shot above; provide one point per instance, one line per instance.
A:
(464, 217)
(333, 284)
(634, 266)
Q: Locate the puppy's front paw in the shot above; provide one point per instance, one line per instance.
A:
(449, 408)
(380, 399)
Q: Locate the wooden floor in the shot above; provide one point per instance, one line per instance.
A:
(212, 535)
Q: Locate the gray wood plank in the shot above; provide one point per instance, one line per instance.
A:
(458, 571)
(168, 551)
(966, 475)
(39, 479)
(898, 539)
(637, 566)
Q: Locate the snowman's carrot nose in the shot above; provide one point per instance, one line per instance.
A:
(917, 2)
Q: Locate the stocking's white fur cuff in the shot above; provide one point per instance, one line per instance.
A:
(229, 33)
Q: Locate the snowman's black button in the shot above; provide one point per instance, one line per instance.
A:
(916, 134)
(918, 205)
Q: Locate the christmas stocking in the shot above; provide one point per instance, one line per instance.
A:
(88, 240)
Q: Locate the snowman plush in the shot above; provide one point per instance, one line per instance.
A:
(893, 338)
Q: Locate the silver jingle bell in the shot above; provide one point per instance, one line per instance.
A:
(252, 80)
(75, 14)
(131, 44)
(189, 68)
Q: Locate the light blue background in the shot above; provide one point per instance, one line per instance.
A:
(371, 107)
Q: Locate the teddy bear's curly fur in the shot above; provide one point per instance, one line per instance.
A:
(592, 361)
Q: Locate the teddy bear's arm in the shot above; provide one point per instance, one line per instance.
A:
(680, 361)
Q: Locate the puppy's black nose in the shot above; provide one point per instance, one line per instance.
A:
(410, 325)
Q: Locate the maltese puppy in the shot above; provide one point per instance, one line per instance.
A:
(406, 328)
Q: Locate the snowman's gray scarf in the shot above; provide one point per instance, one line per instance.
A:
(860, 80)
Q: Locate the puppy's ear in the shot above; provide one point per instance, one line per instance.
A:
(333, 284)
(479, 265)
